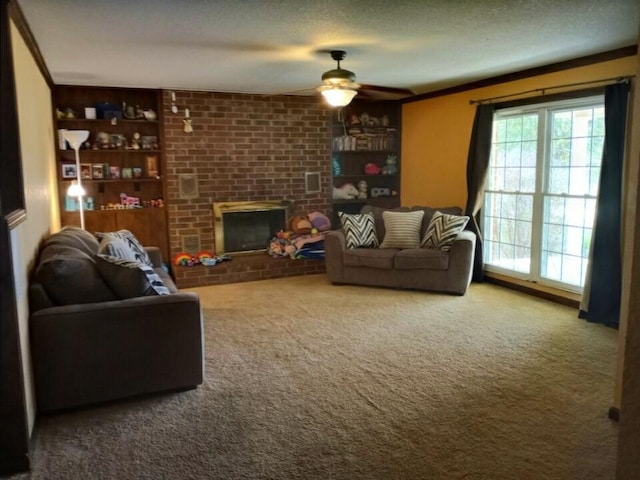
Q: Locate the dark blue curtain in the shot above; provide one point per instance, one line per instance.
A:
(477, 165)
(604, 284)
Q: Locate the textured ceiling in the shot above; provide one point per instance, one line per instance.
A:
(273, 46)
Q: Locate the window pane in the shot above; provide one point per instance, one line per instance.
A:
(559, 180)
(560, 153)
(514, 129)
(530, 127)
(562, 125)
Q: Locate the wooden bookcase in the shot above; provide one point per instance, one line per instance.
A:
(121, 156)
(367, 134)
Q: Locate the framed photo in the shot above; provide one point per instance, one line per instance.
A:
(97, 171)
(114, 171)
(151, 163)
(118, 141)
(127, 172)
(85, 171)
(137, 172)
(69, 170)
(149, 142)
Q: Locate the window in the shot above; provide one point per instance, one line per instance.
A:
(541, 191)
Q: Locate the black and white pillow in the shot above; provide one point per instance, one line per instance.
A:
(359, 230)
(129, 278)
(132, 242)
(116, 247)
(443, 230)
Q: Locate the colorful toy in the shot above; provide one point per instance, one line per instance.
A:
(371, 169)
(390, 167)
(319, 221)
(184, 259)
(299, 225)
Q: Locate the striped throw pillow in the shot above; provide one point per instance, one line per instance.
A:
(443, 230)
(359, 230)
(402, 229)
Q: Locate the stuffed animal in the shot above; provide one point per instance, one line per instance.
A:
(362, 189)
(319, 221)
(345, 192)
(299, 225)
(390, 167)
(371, 169)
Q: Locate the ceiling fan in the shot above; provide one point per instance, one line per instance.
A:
(339, 85)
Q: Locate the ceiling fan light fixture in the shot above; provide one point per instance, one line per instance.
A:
(337, 96)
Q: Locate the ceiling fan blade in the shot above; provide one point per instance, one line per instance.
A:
(379, 92)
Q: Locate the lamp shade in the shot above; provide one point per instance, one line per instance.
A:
(75, 190)
(338, 97)
(75, 137)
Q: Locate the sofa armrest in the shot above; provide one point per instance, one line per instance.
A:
(155, 256)
(334, 246)
(89, 353)
(461, 258)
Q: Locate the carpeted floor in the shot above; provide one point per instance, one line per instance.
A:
(305, 380)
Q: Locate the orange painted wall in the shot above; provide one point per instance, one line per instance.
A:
(436, 133)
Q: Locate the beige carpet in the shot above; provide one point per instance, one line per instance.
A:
(305, 380)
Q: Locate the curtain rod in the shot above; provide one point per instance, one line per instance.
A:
(543, 90)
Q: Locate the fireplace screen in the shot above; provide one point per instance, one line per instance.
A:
(248, 226)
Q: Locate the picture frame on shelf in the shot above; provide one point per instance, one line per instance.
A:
(151, 164)
(85, 171)
(137, 172)
(149, 142)
(118, 141)
(69, 171)
(114, 172)
(97, 171)
(127, 172)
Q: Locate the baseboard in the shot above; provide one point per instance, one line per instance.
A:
(555, 295)
(614, 414)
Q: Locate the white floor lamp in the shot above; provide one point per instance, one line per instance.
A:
(76, 138)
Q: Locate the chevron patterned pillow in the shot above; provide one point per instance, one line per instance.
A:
(402, 229)
(359, 230)
(443, 230)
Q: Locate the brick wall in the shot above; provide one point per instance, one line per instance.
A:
(243, 147)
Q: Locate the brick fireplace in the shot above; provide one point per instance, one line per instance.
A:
(243, 148)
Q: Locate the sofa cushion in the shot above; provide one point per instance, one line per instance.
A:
(359, 230)
(369, 257)
(130, 278)
(139, 251)
(377, 217)
(74, 237)
(443, 230)
(69, 276)
(428, 214)
(402, 229)
(116, 247)
(421, 258)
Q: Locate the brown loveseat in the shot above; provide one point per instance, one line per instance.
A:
(98, 336)
(411, 268)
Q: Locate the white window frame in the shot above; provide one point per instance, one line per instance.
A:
(544, 111)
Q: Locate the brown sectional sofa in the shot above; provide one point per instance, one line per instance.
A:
(90, 345)
(413, 268)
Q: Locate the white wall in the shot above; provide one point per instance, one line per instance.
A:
(38, 162)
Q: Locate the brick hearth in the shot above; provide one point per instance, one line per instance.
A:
(246, 268)
(243, 147)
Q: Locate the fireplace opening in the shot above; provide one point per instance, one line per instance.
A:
(248, 226)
